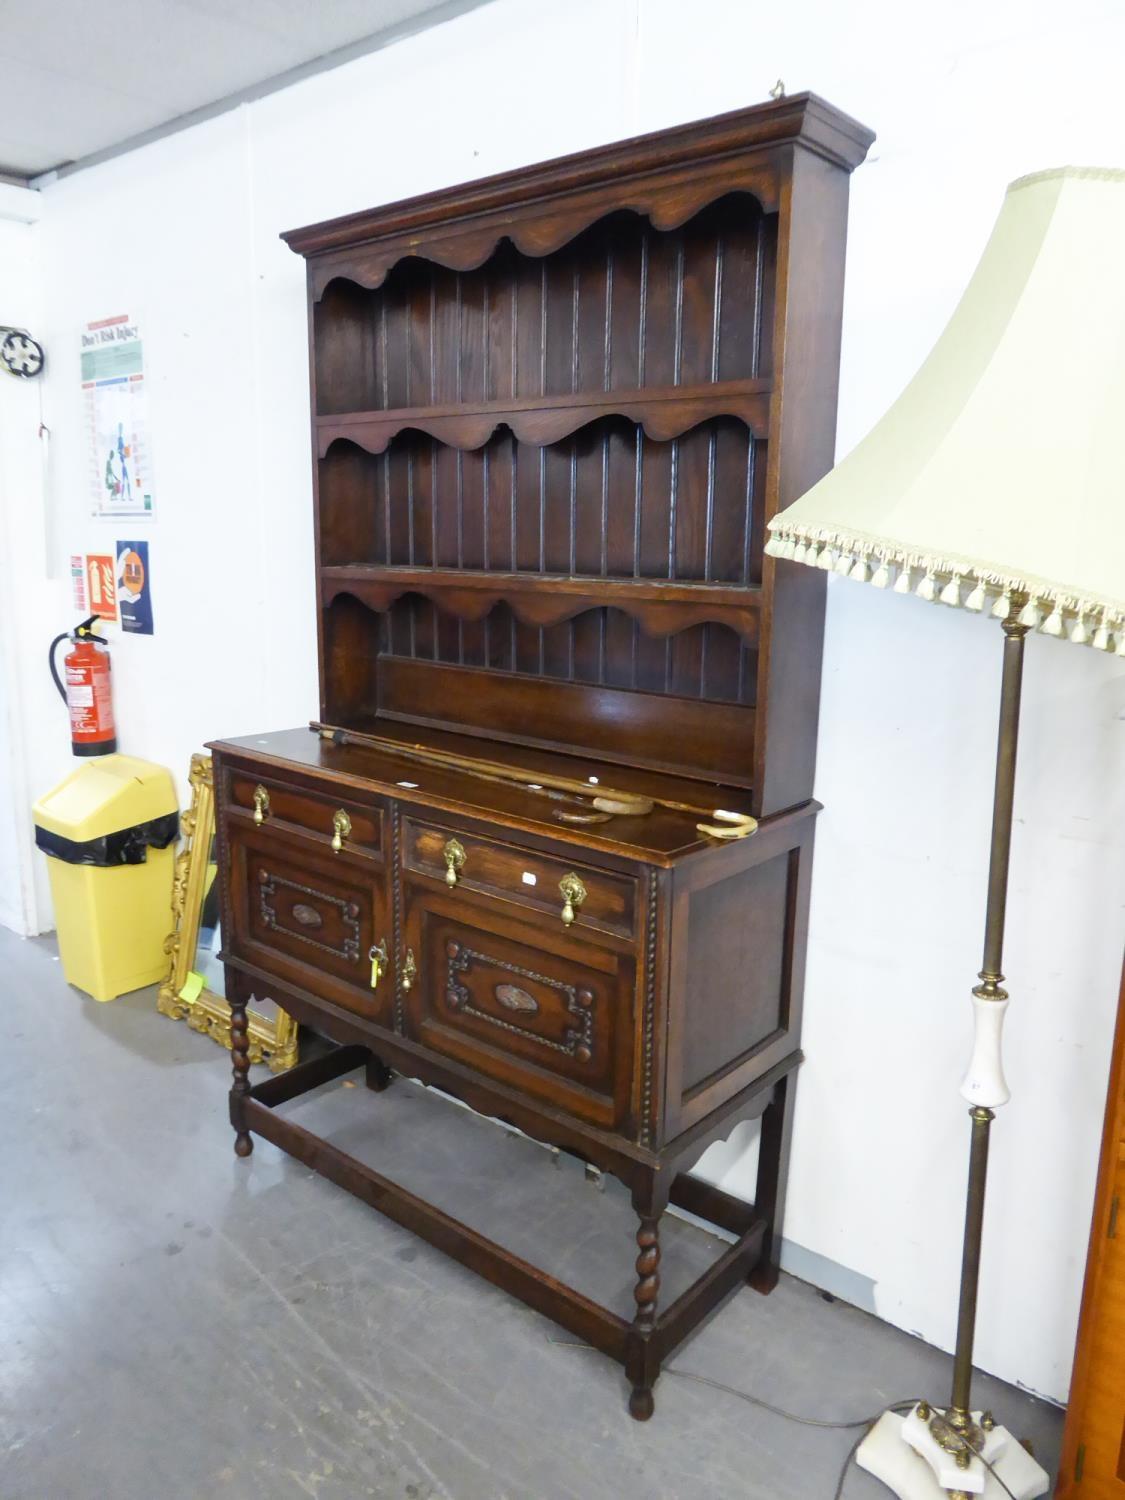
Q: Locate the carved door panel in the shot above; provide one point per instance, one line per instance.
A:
(312, 920)
(551, 1014)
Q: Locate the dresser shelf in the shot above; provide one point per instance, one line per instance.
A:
(663, 413)
(660, 606)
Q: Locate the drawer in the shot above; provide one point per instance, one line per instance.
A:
(293, 809)
(522, 876)
(310, 919)
(551, 1016)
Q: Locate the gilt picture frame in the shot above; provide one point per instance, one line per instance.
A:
(185, 994)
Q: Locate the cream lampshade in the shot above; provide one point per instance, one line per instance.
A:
(1002, 465)
(996, 480)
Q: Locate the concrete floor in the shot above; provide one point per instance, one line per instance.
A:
(178, 1324)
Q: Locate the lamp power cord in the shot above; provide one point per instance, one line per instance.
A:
(866, 1423)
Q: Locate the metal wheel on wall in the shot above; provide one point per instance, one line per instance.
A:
(20, 355)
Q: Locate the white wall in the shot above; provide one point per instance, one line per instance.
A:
(27, 624)
(183, 234)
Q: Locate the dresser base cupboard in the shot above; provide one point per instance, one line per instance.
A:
(547, 845)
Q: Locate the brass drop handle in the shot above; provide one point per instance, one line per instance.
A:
(341, 829)
(454, 856)
(573, 894)
(409, 971)
(377, 953)
(261, 805)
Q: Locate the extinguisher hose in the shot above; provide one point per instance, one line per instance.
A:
(51, 663)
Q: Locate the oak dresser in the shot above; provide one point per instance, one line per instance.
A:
(547, 844)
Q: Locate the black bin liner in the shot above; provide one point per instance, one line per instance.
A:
(128, 846)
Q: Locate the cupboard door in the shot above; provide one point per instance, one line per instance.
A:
(310, 920)
(546, 1013)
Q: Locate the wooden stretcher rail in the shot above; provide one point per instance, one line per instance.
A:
(554, 1299)
(587, 1320)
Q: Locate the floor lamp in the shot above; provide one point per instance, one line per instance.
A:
(995, 482)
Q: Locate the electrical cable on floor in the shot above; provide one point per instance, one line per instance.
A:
(779, 1411)
(791, 1416)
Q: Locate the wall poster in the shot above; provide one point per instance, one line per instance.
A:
(116, 401)
(134, 588)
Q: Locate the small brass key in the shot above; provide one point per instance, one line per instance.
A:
(377, 953)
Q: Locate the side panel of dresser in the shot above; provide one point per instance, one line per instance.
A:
(738, 927)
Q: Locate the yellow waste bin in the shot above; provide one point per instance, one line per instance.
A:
(109, 832)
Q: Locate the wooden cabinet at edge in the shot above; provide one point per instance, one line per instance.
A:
(1093, 1458)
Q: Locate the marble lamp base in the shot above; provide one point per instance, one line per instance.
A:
(902, 1452)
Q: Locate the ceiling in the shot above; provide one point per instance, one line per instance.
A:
(82, 79)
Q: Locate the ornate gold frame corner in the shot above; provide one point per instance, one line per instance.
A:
(272, 1041)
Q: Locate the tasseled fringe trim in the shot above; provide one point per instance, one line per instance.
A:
(1085, 622)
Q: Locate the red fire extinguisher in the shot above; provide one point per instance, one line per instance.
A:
(87, 692)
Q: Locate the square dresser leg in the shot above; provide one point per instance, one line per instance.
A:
(773, 1174)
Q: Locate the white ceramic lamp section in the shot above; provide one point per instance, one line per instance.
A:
(984, 1086)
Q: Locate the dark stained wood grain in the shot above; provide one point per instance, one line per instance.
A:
(311, 1074)
(310, 918)
(546, 599)
(302, 809)
(519, 876)
(656, 393)
(538, 421)
(806, 349)
(362, 770)
(706, 1296)
(688, 736)
(552, 413)
(670, 176)
(737, 972)
(570, 1046)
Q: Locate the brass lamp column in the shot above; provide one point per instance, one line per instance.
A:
(994, 482)
(956, 1431)
(990, 989)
